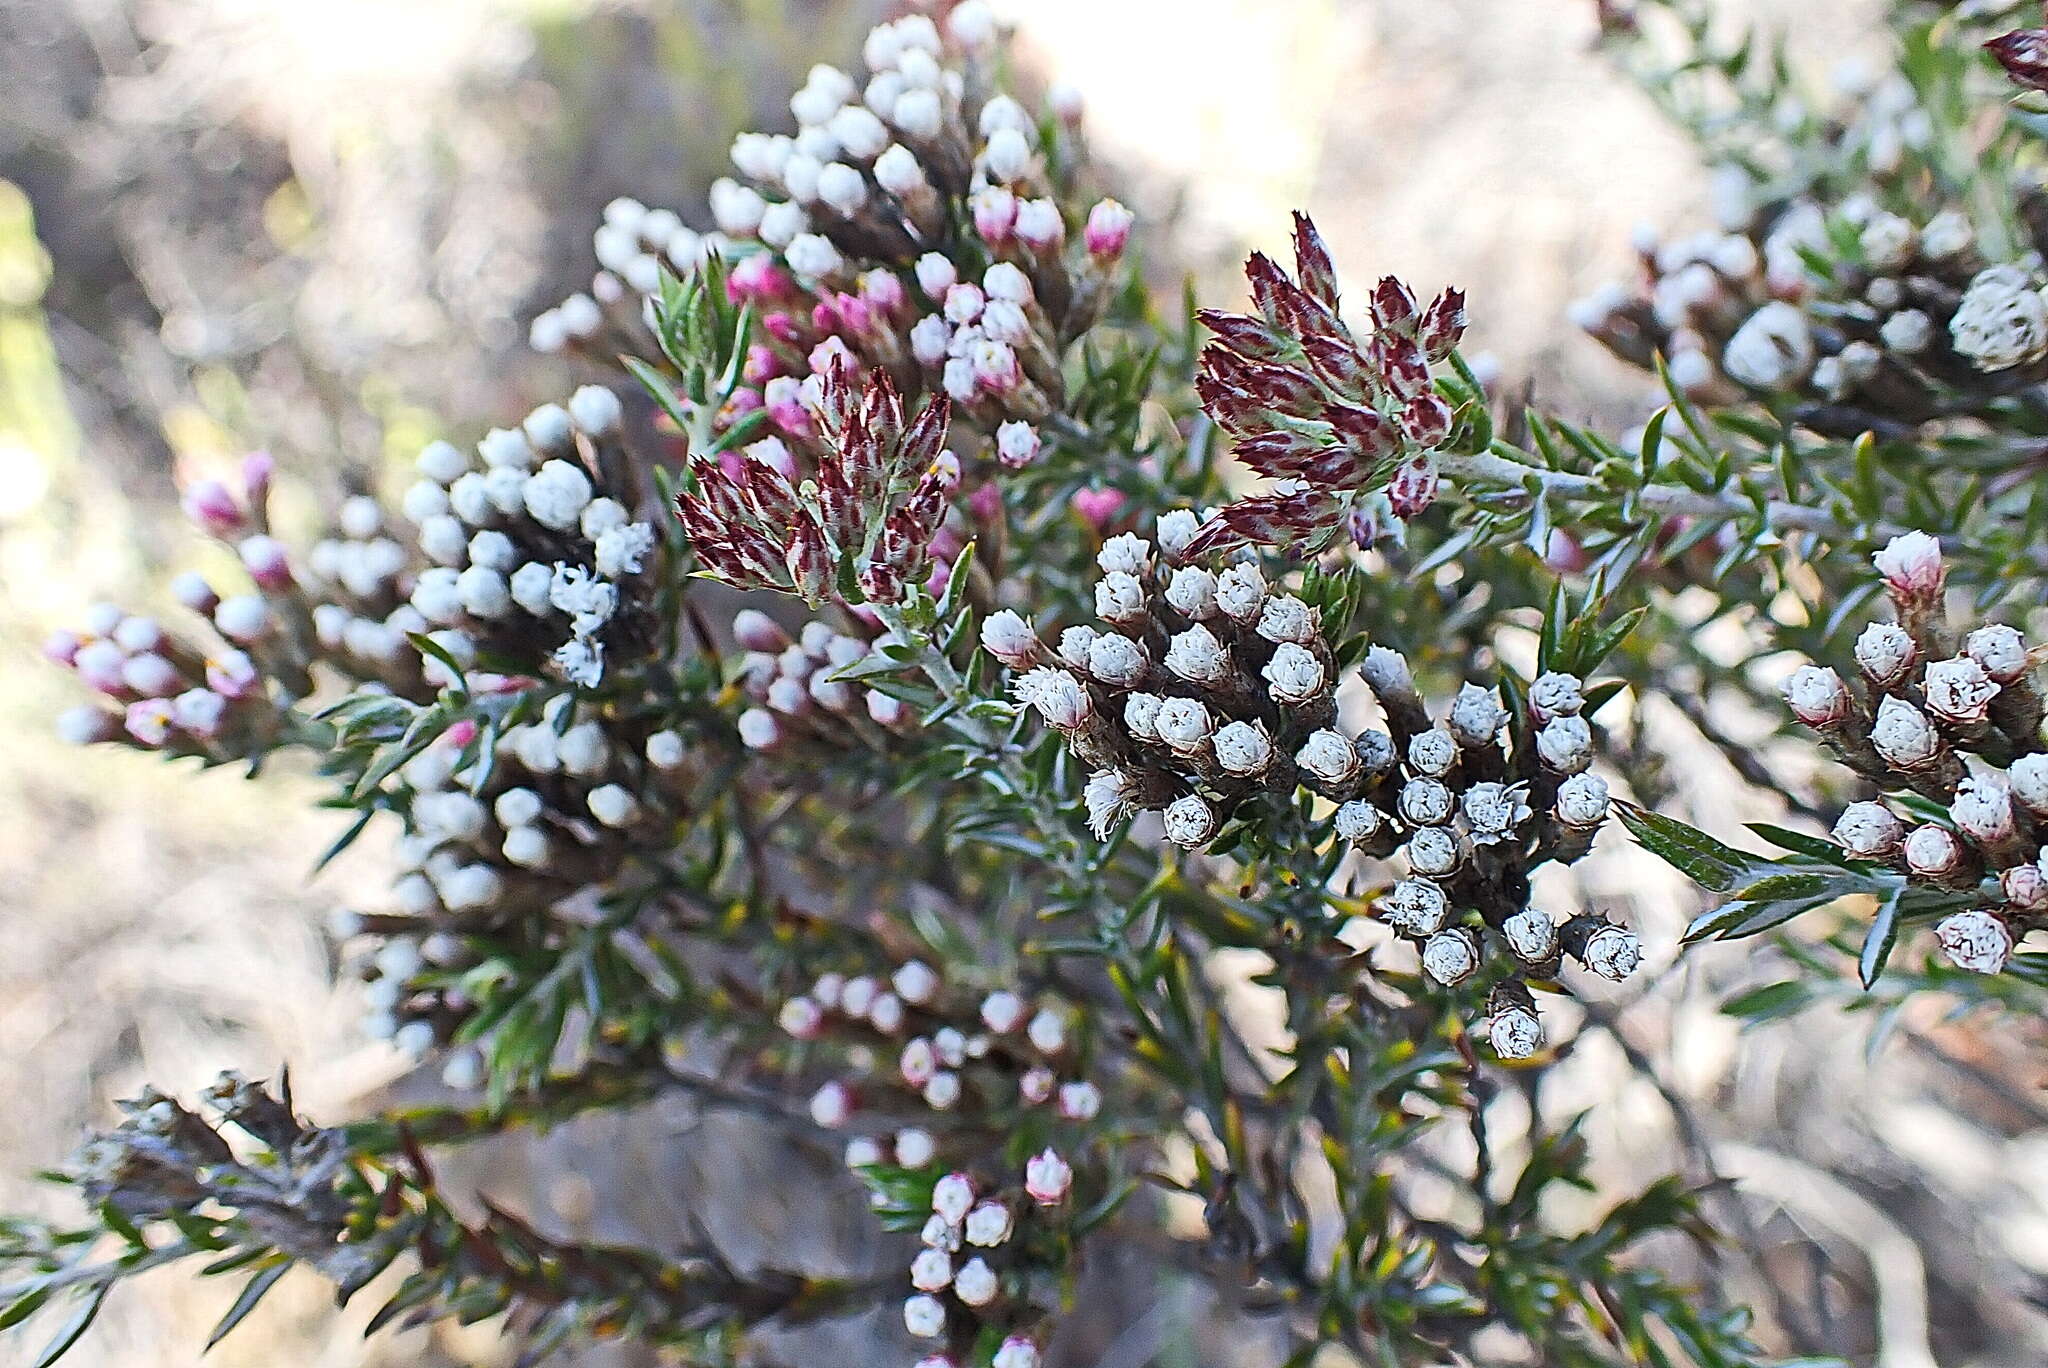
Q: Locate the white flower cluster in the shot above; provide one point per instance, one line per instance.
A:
(523, 547)
(795, 694)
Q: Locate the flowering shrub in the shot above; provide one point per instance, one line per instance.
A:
(1077, 642)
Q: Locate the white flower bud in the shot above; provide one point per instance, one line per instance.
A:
(1009, 638)
(989, 1224)
(1243, 749)
(1016, 1352)
(832, 1105)
(1328, 756)
(1074, 644)
(1613, 952)
(975, 1284)
(2000, 650)
(1190, 821)
(1286, 618)
(1425, 802)
(1958, 691)
(952, 1197)
(1476, 716)
(1450, 957)
(1975, 940)
(1432, 753)
(1515, 1032)
(470, 886)
(1565, 744)
(1582, 801)
(924, 1316)
(442, 463)
(1191, 591)
(1002, 1011)
(1495, 811)
(1817, 696)
(1903, 736)
(1176, 529)
(2002, 321)
(557, 495)
(915, 1148)
(1060, 699)
(1869, 831)
(1934, 852)
(1048, 1032)
(1886, 653)
(1080, 1101)
(1433, 851)
(1198, 657)
(1184, 725)
(1415, 907)
(2025, 886)
(801, 1017)
(1556, 695)
(1295, 676)
(931, 1270)
(506, 448)
(1357, 821)
(1911, 565)
(1118, 661)
(1772, 350)
(1120, 599)
(1241, 592)
(1531, 936)
(1126, 553)
(1387, 673)
(1982, 810)
(1047, 1178)
(918, 1062)
(915, 982)
(2029, 778)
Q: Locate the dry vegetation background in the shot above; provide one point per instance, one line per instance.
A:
(320, 227)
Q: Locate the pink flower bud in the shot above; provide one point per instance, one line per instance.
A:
(258, 467)
(1934, 852)
(212, 508)
(1912, 568)
(232, 675)
(2025, 886)
(995, 214)
(953, 1197)
(832, 1105)
(1108, 230)
(150, 720)
(1017, 444)
(1413, 488)
(266, 561)
(1817, 696)
(1047, 1178)
(1100, 508)
(61, 648)
(1958, 691)
(1976, 940)
(801, 1018)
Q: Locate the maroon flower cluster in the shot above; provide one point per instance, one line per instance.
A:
(881, 491)
(1310, 405)
(2024, 55)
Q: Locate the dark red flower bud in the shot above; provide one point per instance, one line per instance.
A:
(1426, 420)
(1413, 487)
(1443, 324)
(1393, 307)
(2024, 55)
(1312, 263)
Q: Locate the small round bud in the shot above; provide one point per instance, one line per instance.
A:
(1002, 1011)
(1450, 957)
(1911, 566)
(1118, 661)
(1958, 691)
(832, 1105)
(924, 1316)
(1976, 940)
(1243, 749)
(801, 1018)
(1432, 753)
(1531, 936)
(1476, 716)
(1241, 592)
(953, 1197)
(1047, 1178)
(1495, 811)
(1817, 696)
(1869, 831)
(1999, 650)
(1886, 654)
(1556, 695)
(1433, 851)
(915, 982)
(1415, 907)
(1903, 736)
(1198, 657)
(1184, 725)
(2028, 776)
(1582, 802)
(1515, 1032)
(1080, 1101)
(975, 1284)
(1613, 952)
(989, 1224)
(1357, 821)
(1191, 592)
(1425, 802)
(1191, 822)
(1934, 852)
(1565, 744)
(1329, 757)
(931, 1270)
(915, 1148)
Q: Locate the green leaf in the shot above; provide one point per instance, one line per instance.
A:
(74, 1329)
(1769, 1002)
(1691, 851)
(1878, 941)
(252, 1293)
(651, 380)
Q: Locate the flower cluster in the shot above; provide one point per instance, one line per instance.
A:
(868, 520)
(1866, 316)
(996, 1076)
(1959, 727)
(533, 549)
(1306, 403)
(796, 695)
(223, 693)
(1207, 692)
(922, 226)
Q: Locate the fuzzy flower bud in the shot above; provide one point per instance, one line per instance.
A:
(1450, 957)
(1958, 691)
(1976, 940)
(2002, 321)
(1047, 1178)
(1425, 802)
(1565, 744)
(1017, 444)
(1817, 696)
(1934, 852)
(1243, 749)
(1869, 831)
(1198, 657)
(1191, 591)
(2000, 650)
(1117, 660)
(924, 1316)
(1295, 676)
(1357, 821)
(1415, 907)
(2029, 778)
(1514, 1031)
(1904, 737)
(1772, 350)
(1886, 653)
(1531, 936)
(1432, 753)
(1060, 699)
(1612, 952)
(1191, 822)
(1556, 695)
(1911, 566)
(1476, 716)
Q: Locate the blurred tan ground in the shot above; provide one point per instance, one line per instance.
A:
(157, 927)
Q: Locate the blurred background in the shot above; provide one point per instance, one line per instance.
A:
(321, 228)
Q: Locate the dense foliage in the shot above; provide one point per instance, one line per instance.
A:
(880, 699)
